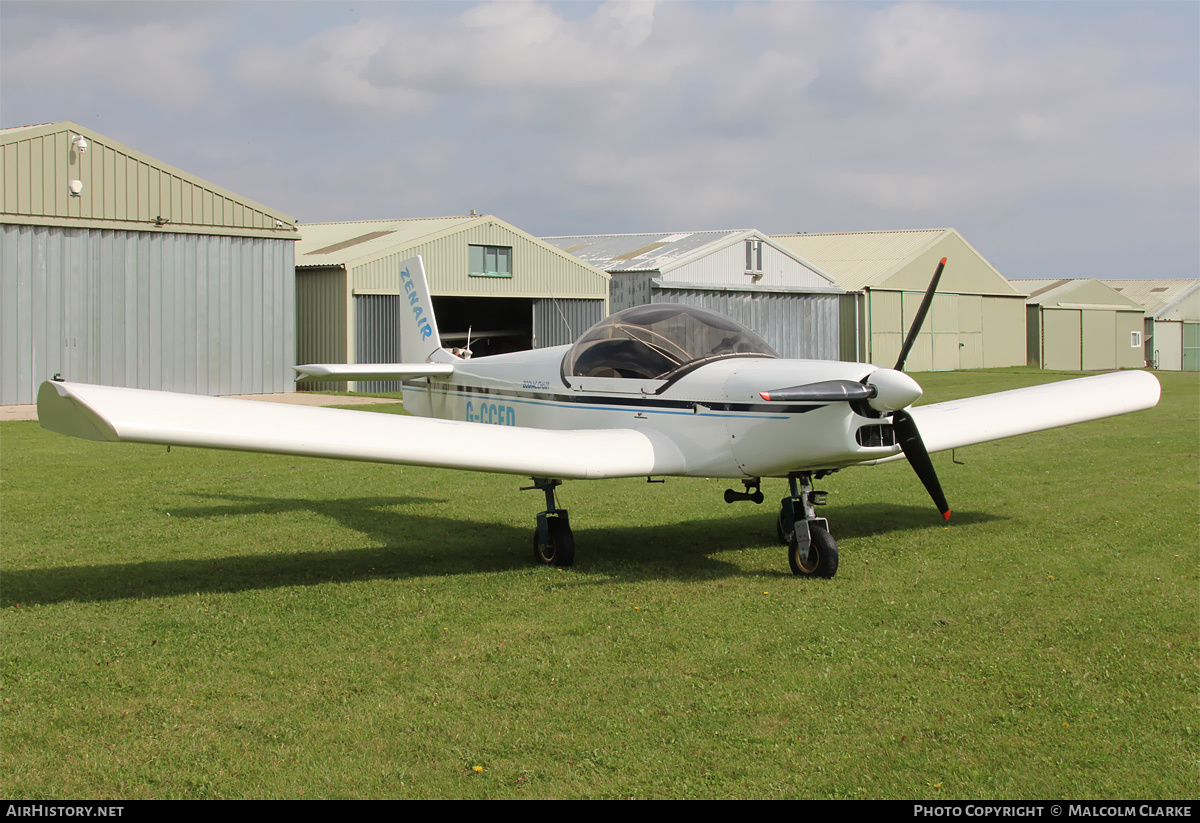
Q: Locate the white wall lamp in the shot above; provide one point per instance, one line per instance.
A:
(80, 143)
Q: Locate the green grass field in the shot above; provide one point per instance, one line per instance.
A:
(193, 624)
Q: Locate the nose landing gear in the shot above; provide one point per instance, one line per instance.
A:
(812, 551)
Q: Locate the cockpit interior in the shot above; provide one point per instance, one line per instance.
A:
(660, 341)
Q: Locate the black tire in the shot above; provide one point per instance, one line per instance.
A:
(783, 538)
(822, 554)
(561, 551)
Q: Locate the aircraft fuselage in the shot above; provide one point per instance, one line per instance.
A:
(714, 413)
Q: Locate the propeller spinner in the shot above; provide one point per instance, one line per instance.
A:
(888, 391)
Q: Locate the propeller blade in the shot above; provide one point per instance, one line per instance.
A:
(914, 449)
(926, 302)
(827, 391)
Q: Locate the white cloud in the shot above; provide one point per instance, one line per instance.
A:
(156, 62)
(623, 116)
(399, 65)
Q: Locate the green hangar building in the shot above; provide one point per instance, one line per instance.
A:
(1082, 324)
(1172, 326)
(977, 319)
(118, 269)
(488, 279)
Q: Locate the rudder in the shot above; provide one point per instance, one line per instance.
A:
(419, 338)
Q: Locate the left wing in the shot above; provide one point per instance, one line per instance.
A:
(109, 413)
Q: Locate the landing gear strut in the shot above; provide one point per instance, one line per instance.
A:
(553, 542)
(811, 549)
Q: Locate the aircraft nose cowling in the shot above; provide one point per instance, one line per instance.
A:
(894, 390)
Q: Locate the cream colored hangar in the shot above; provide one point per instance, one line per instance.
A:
(496, 289)
(1171, 334)
(1081, 324)
(978, 317)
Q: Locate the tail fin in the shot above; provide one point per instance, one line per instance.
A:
(419, 339)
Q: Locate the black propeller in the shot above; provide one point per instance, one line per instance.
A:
(903, 423)
(926, 302)
(907, 435)
(914, 449)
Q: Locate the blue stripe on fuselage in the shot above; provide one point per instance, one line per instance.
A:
(651, 405)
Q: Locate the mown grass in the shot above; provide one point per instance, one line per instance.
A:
(209, 624)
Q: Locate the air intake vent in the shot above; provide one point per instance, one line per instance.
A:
(874, 437)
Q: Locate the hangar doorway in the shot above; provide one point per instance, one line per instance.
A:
(498, 325)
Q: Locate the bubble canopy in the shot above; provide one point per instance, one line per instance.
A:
(660, 341)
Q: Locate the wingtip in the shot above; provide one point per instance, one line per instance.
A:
(764, 395)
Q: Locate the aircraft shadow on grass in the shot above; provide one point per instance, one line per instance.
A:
(411, 545)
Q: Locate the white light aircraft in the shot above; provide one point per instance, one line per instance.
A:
(652, 391)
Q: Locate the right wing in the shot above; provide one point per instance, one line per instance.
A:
(957, 423)
(109, 413)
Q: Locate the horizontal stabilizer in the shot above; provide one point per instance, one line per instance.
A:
(958, 423)
(136, 415)
(373, 371)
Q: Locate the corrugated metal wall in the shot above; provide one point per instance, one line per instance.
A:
(558, 322)
(178, 312)
(322, 325)
(852, 345)
(377, 336)
(628, 289)
(797, 325)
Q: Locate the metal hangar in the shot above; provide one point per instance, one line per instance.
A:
(118, 269)
(977, 319)
(741, 273)
(507, 289)
(1082, 324)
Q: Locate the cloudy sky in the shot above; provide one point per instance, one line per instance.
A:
(1061, 139)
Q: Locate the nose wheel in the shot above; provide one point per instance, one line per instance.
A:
(812, 551)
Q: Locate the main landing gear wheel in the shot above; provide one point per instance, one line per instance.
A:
(821, 560)
(559, 549)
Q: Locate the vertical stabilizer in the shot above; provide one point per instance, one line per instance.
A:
(419, 339)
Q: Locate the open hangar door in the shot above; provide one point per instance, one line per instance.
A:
(497, 325)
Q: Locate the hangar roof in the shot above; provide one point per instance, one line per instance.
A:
(1076, 293)
(341, 244)
(665, 252)
(899, 260)
(1154, 295)
(654, 251)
